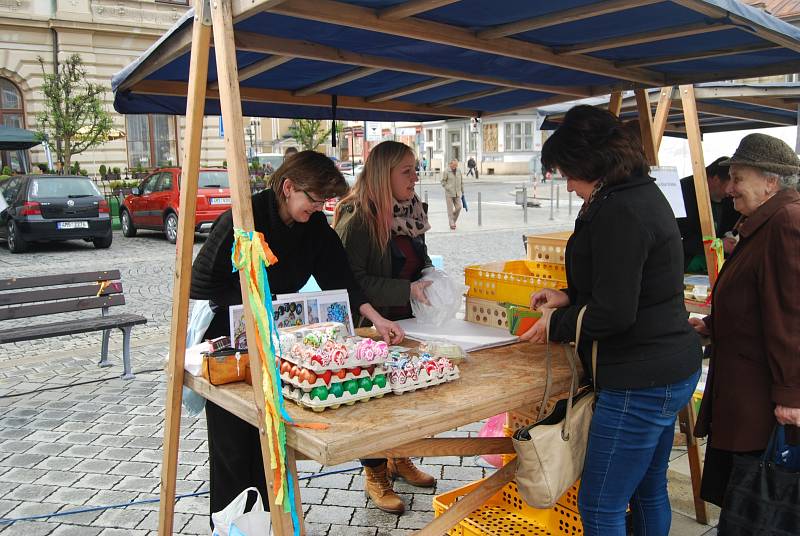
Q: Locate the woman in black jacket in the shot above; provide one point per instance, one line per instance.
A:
(288, 215)
(625, 263)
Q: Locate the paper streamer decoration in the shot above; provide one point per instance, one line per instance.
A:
(715, 246)
(251, 255)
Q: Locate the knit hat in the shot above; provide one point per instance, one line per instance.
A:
(765, 152)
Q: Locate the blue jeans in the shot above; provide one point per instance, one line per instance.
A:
(630, 439)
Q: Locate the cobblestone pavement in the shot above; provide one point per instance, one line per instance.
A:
(76, 437)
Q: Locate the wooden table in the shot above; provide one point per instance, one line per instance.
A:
(491, 382)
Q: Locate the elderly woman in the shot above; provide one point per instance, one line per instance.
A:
(754, 375)
(625, 264)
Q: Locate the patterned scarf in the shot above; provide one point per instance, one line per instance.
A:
(409, 218)
(597, 187)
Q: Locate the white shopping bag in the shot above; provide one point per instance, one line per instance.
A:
(234, 521)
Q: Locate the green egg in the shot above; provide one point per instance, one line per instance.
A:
(337, 389)
(320, 392)
(380, 380)
(366, 384)
(351, 386)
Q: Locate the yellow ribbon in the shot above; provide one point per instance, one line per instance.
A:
(715, 246)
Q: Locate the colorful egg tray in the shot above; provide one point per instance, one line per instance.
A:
(409, 372)
(306, 379)
(319, 349)
(343, 393)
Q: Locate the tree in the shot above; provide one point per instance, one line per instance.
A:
(309, 133)
(74, 118)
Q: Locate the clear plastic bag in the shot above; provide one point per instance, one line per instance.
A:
(445, 296)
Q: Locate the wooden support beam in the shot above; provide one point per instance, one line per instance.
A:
(615, 103)
(413, 88)
(354, 16)
(699, 170)
(472, 96)
(561, 17)
(254, 42)
(279, 96)
(334, 81)
(768, 103)
(181, 277)
(689, 56)
(734, 73)
(646, 126)
(257, 68)
(662, 115)
(642, 37)
(687, 420)
(412, 7)
(451, 446)
(241, 206)
(738, 113)
(243, 9)
(737, 91)
(173, 48)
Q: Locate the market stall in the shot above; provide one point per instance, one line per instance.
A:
(420, 60)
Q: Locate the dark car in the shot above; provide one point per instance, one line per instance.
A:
(154, 204)
(47, 208)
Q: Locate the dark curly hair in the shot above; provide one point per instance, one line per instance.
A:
(310, 171)
(594, 144)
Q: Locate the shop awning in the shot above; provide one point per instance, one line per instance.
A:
(434, 59)
(12, 139)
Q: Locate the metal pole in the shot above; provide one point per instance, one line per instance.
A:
(558, 197)
(525, 203)
(426, 197)
(480, 220)
(570, 203)
(552, 198)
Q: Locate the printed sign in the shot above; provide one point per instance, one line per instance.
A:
(670, 184)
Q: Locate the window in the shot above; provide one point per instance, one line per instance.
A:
(11, 115)
(11, 189)
(429, 135)
(165, 183)
(438, 133)
(490, 138)
(473, 141)
(519, 136)
(152, 141)
(149, 184)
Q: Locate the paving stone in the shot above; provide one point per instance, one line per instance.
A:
(6, 505)
(196, 525)
(16, 446)
(148, 455)
(83, 451)
(118, 453)
(76, 530)
(329, 514)
(29, 528)
(13, 433)
(414, 519)
(372, 517)
(95, 466)
(61, 463)
(134, 468)
(23, 460)
(98, 481)
(341, 530)
(22, 476)
(338, 497)
(31, 493)
(317, 529)
(135, 483)
(123, 532)
(468, 474)
(71, 495)
(111, 441)
(339, 481)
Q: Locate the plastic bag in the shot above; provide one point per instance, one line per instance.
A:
(445, 297)
(493, 427)
(199, 320)
(234, 521)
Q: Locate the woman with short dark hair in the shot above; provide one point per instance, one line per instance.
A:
(288, 215)
(624, 263)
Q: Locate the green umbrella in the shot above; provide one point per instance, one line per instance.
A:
(12, 139)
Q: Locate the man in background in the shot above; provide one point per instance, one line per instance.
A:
(453, 183)
(722, 212)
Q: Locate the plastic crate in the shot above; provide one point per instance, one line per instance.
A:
(547, 270)
(506, 514)
(505, 281)
(549, 248)
(486, 312)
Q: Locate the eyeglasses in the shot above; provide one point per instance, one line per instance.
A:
(315, 202)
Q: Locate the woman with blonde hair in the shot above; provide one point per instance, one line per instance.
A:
(382, 224)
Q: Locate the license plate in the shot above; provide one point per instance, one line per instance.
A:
(220, 200)
(73, 225)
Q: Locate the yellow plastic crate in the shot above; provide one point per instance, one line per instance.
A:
(549, 248)
(506, 514)
(486, 312)
(548, 270)
(505, 281)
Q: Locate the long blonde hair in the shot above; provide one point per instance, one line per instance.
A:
(371, 196)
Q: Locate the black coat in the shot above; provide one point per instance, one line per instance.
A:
(303, 250)
(625, 261)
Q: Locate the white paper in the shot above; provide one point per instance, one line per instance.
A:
(468, 335)
(670, 184)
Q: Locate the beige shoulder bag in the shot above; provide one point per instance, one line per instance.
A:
(550, 452)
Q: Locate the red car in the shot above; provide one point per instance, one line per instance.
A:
(154, 204)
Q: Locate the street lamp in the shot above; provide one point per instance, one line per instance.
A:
(252, 133)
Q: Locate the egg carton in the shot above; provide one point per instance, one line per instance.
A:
(306, 386)
(400, 383)
(350, 362)
(346, 399)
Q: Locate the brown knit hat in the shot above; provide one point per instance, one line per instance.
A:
(767, 153)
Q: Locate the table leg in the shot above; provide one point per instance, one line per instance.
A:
(470, 502)
(687, 419)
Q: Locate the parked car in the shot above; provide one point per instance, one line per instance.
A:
(154, 204)
(330, 204)
(48, 208)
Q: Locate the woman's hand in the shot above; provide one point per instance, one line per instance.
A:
(550, 298)
(538, 332)
(418, 291)
(787, 415)
(391, 332)
(699, 326)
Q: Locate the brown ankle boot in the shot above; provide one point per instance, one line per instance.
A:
(404, 468)
(378, 488)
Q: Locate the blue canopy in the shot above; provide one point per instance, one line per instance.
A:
(386, 60)
(721, 107)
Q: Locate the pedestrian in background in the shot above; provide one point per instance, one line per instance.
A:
(424, 163)
(472, 168)
(453, 183)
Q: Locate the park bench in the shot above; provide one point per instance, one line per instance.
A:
(27, 297)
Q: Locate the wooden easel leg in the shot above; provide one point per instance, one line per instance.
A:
(662, 114)
(687, 418)
(242, 209)
(291, 467)
(646, 126)
(195, 104)
(615, 103)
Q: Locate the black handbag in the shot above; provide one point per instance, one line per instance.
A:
(762, 497)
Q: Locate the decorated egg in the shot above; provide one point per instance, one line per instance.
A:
(341, 374)
(337, 390)
(380, 380)
(320, 392)
(356, 371)
(366, 384)
(351, 386)
(285, 367)
(310, 376)
(326, 377)
(371, 370)
(294, 372)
